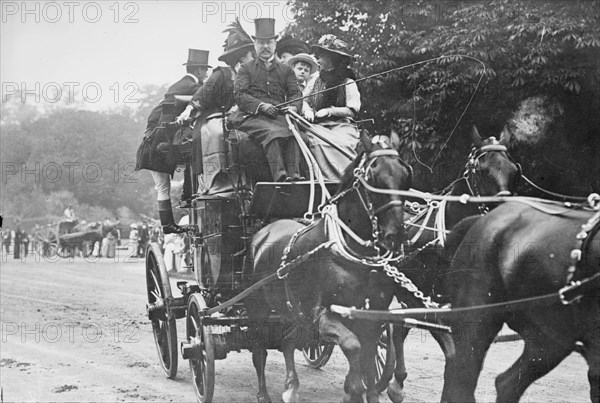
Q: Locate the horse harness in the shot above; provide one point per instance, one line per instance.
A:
(471, 168)
(335, 229)
(579, 254)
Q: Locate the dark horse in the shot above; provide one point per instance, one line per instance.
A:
(331, 273)
(520, 251)
(489, 171)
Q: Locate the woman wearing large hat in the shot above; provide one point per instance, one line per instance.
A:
(334, 104)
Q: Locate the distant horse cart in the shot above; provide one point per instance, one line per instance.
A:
(64, 238)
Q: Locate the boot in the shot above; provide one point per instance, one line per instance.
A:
(167, 220)
(274, 154)
(186, 194)
(292, 159)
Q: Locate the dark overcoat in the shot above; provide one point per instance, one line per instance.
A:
(256, 84)
(147, 155)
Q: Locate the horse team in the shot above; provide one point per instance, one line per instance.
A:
(358, 255)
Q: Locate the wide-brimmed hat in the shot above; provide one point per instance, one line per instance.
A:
(265, 28)
(197, 57)
(238, 39)
(330, 43)
(304, 57)
(291, 45)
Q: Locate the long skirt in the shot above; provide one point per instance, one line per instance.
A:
(344, 134)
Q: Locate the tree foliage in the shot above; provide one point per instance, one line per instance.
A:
(525, 49)
(69, 156)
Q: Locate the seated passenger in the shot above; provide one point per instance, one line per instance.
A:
(260, 85)
(304, 65)
(333, 109)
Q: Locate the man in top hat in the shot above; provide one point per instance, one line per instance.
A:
(288, 47)
(217, 93)
(149, 157)
(196, 66)
(260, 85)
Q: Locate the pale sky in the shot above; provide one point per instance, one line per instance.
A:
(99, 43)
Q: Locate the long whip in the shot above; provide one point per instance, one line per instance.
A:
(379, 74)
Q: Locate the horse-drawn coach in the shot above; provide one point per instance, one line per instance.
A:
(289, 266)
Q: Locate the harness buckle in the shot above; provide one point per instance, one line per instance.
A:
(564, 299)
(576, 254)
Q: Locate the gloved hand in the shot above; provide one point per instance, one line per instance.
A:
(185, 115)
(309, 114)
(268, 110)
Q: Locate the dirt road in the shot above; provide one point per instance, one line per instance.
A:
(74, 330)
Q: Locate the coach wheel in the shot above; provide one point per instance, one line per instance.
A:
(201, 356)
(317, 355)
(47, 240)
(385, 359)
(163, 322)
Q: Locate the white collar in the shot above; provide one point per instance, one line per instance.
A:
(270, 60)
(194, 77)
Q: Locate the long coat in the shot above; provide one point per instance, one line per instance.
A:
(255, 84)
(147, 155)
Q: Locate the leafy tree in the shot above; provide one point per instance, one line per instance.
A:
(529, 48)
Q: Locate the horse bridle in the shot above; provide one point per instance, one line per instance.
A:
(361, 173)
(472, 166)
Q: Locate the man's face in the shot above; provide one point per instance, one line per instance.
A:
(265, 48)
(302, 70)
(202, 73)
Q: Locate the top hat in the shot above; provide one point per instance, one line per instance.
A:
(265, 28)
(330, 43)
(291, 45)
(197, 58)
(238, 39)
(304, 57)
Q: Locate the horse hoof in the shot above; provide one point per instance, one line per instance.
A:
(352, 399)
(372, 397)
(263, 399)
(395, 392)
(290, 396)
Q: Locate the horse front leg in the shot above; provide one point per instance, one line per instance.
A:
(446, 343)
(395, 389)
(259, 331)
(288, 346)
(333, 330)
(368, 334)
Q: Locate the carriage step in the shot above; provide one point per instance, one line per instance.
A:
(187, 288)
